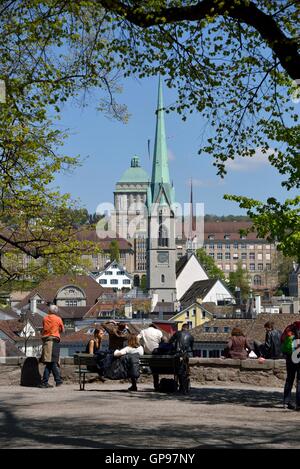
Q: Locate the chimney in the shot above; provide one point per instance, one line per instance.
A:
(33, 305)
(258, 304)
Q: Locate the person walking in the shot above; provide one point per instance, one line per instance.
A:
(290, 342)
(52, 328)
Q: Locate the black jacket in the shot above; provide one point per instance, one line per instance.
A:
(273, 344)
(183, 341)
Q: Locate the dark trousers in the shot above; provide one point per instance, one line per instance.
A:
(51, 367)
(292, 371)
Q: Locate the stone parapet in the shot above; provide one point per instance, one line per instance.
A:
(203, 370)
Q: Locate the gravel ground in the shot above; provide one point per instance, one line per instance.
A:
(106, 415)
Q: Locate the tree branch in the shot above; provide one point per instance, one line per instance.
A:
(285, 48)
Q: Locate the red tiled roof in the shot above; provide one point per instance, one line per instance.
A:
(232, 228)
(49, 288)
(104, 243)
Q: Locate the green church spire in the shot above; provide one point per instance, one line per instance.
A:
(160, 167)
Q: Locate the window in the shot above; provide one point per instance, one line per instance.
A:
(244, 246)
(219, 245)
(216, 329)
(204, 353)
(251, 246)
(162, 278)
(227, 255)
(252, 256)
(207, 329)
(257, 280)
(260, 267)
(259, 246)
(227, 246)
(71, 303)
(114, 282)
(226, 236)
(212, 237)
(187, 315)
(212, 255)
(235, 255)
(211, 246)
(268, 266)
(242, 237)
(226, 329)
(203, 314)
(121, 272)
(259, 256)
(252, 266)
(219, 255)
(163, 237)
(103, 281)
(126, 282)
(194, 312)
(268, 257)
(109, 272)
(227, 266)
(244, 256)
(236, 245)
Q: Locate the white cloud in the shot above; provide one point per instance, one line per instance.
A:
(248, 163)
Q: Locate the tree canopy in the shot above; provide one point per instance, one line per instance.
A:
(236, 62)
(209, 265)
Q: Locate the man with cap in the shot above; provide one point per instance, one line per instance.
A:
(52, 328)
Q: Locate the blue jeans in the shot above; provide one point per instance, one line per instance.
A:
(51, 367)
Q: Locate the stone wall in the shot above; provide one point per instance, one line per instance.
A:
(203, 371)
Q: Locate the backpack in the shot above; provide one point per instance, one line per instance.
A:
(167, 385)
(290, 339)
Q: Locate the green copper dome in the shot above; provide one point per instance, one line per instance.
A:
(135, 173)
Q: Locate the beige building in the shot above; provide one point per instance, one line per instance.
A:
(224, 243)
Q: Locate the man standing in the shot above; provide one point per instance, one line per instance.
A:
(272, 347)
(52, 328)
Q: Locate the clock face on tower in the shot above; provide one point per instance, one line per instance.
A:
(163, 257)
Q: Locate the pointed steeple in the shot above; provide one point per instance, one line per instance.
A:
(160, 167)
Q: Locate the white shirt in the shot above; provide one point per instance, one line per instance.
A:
(151, 338)
(123, 351)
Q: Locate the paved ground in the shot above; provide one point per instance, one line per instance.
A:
(108, 416)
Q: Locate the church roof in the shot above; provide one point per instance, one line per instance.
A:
(134, 174)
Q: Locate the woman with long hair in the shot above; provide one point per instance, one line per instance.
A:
(238, 346)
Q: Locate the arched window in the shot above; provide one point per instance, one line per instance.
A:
(163, 238)
(162, 278)
(257, 280)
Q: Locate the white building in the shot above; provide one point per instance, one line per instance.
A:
(114, 276)
(188, 271)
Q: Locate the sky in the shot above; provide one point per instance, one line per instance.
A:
(106, 147)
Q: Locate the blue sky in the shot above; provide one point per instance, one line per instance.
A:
(106, 147)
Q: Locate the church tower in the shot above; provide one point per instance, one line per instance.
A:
(161, 247)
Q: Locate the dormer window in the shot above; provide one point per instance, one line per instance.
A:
(226, 236)
(211, 237)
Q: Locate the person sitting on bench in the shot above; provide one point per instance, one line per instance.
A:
(94, 344)
(132, 347)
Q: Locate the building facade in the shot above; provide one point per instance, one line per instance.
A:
(224, 243)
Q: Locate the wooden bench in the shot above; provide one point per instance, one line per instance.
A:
(160, 364)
